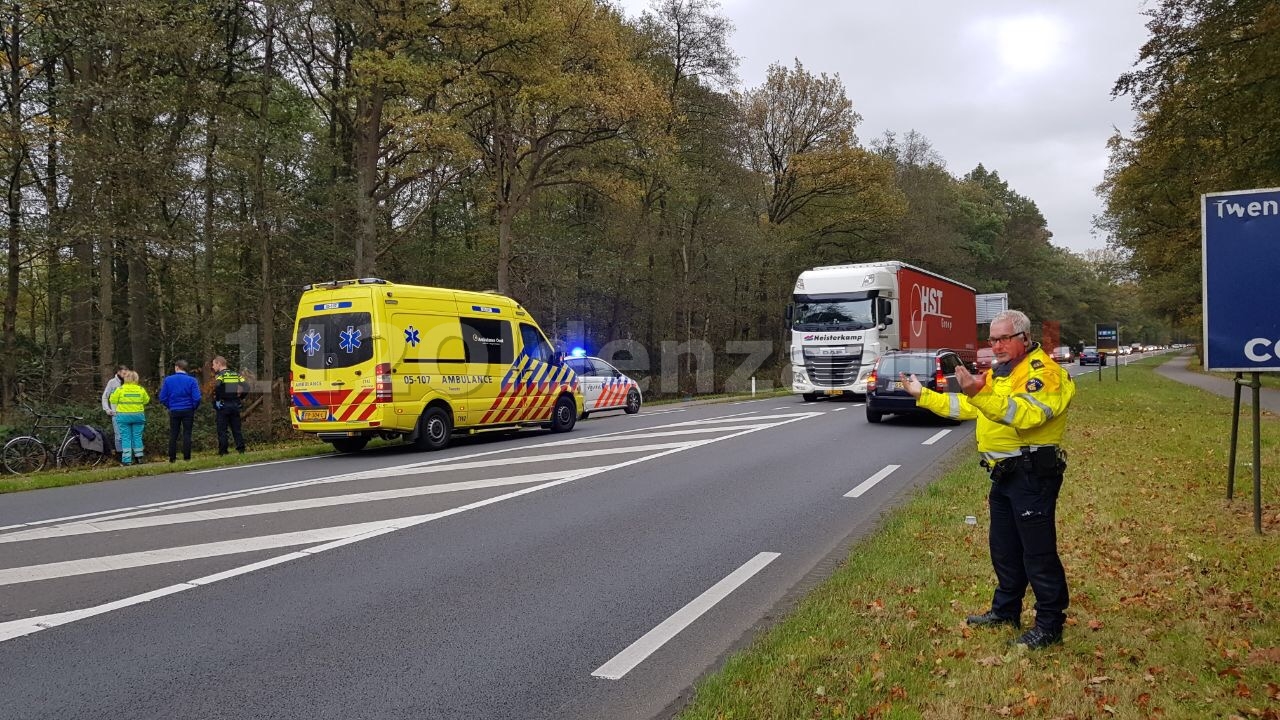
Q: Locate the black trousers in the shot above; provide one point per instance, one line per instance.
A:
(1024, 540)
(180, 421)
(229, 418)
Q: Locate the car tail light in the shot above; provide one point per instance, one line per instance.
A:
(871, 380)
(382, 383)
(939, 380)
(290, 384)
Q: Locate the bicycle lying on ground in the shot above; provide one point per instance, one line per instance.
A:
(29, 453)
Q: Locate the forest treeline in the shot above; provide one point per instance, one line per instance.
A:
(176, 170)
(1206, 89)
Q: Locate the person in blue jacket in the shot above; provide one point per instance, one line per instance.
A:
(180, 393)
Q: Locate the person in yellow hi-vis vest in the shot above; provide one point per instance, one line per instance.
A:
(130, 403)
(1020, 405)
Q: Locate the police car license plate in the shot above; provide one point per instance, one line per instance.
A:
(315, 415)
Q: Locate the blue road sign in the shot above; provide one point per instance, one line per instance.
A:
(1240, 261)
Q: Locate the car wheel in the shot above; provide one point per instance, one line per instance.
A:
(633, 402)
(350, 445)
(874, 416)
(434, 429)
(564, 415)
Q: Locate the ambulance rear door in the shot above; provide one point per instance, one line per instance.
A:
(333, 360)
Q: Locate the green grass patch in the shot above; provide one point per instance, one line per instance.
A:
(1174, 610)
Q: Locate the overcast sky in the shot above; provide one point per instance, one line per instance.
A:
(1021, 86)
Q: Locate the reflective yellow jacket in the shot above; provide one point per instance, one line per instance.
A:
(1025, 408)
(130, 398)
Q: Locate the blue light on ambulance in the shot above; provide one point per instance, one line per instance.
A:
(578, 352)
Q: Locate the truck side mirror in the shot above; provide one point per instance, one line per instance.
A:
(884, 309)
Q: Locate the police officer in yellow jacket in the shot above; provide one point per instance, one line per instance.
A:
(1020, 405)
(229, 391)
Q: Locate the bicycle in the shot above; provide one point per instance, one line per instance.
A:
(29, 453)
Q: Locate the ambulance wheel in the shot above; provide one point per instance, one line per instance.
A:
(350, 445)
(564, 415)
(584, 415)
(633, 402)
(434, 429)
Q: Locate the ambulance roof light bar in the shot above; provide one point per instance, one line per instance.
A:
(336, 283)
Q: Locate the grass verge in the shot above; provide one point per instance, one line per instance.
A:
(1174, 610)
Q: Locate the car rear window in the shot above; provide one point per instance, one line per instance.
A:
(333, 341)
(917, 364)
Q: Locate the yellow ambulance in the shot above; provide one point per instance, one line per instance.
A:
(373, 358)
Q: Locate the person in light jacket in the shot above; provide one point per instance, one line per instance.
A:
(128, 407)
(112, 384)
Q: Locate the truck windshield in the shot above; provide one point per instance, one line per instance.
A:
(834, 314)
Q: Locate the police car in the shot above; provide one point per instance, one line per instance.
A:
(603, 386)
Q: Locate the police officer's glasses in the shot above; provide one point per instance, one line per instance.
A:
(1001, 338)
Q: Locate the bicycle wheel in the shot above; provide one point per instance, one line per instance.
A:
(24, 454)
(72, 455)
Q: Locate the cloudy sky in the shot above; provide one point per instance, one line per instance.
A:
(1021, 86)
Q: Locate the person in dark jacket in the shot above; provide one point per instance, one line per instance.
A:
(180, 393)
(229, 392)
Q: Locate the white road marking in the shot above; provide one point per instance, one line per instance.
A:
(100, 526)
(871, 481)
(936, 437)
(638, 651)
(260, 464)
(664, 412)
(27, 626)
(392, 471)
(745, 402)
(839, 409)
(736, 418)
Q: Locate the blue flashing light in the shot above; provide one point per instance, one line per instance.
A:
(578, 352)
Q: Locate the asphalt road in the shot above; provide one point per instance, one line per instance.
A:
(595, 574)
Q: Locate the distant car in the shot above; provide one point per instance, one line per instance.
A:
(1091, 356)
(604, 387)
(935, 369)
(1061, 354)
(986, 358)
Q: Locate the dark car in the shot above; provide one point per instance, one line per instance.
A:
(1091, 356)
(935, 369)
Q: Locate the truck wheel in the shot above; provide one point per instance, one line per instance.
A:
(434, 429)
(874, 416)
(564, 415)
(350, 445)
(810, 397)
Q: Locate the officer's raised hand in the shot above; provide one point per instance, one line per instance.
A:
(970, 384)
(910, 384)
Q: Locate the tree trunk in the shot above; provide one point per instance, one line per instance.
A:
(266, 309)
(368, 143)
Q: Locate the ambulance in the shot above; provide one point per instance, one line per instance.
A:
(372, 358)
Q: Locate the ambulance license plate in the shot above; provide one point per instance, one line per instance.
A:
(315, 415)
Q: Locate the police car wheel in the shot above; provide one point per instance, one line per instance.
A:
(564, 416)
(633, 403)
(434, 429)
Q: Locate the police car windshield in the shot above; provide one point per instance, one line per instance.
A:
(833, 314)
(327, 342)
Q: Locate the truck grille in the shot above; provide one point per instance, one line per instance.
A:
(833, 371)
